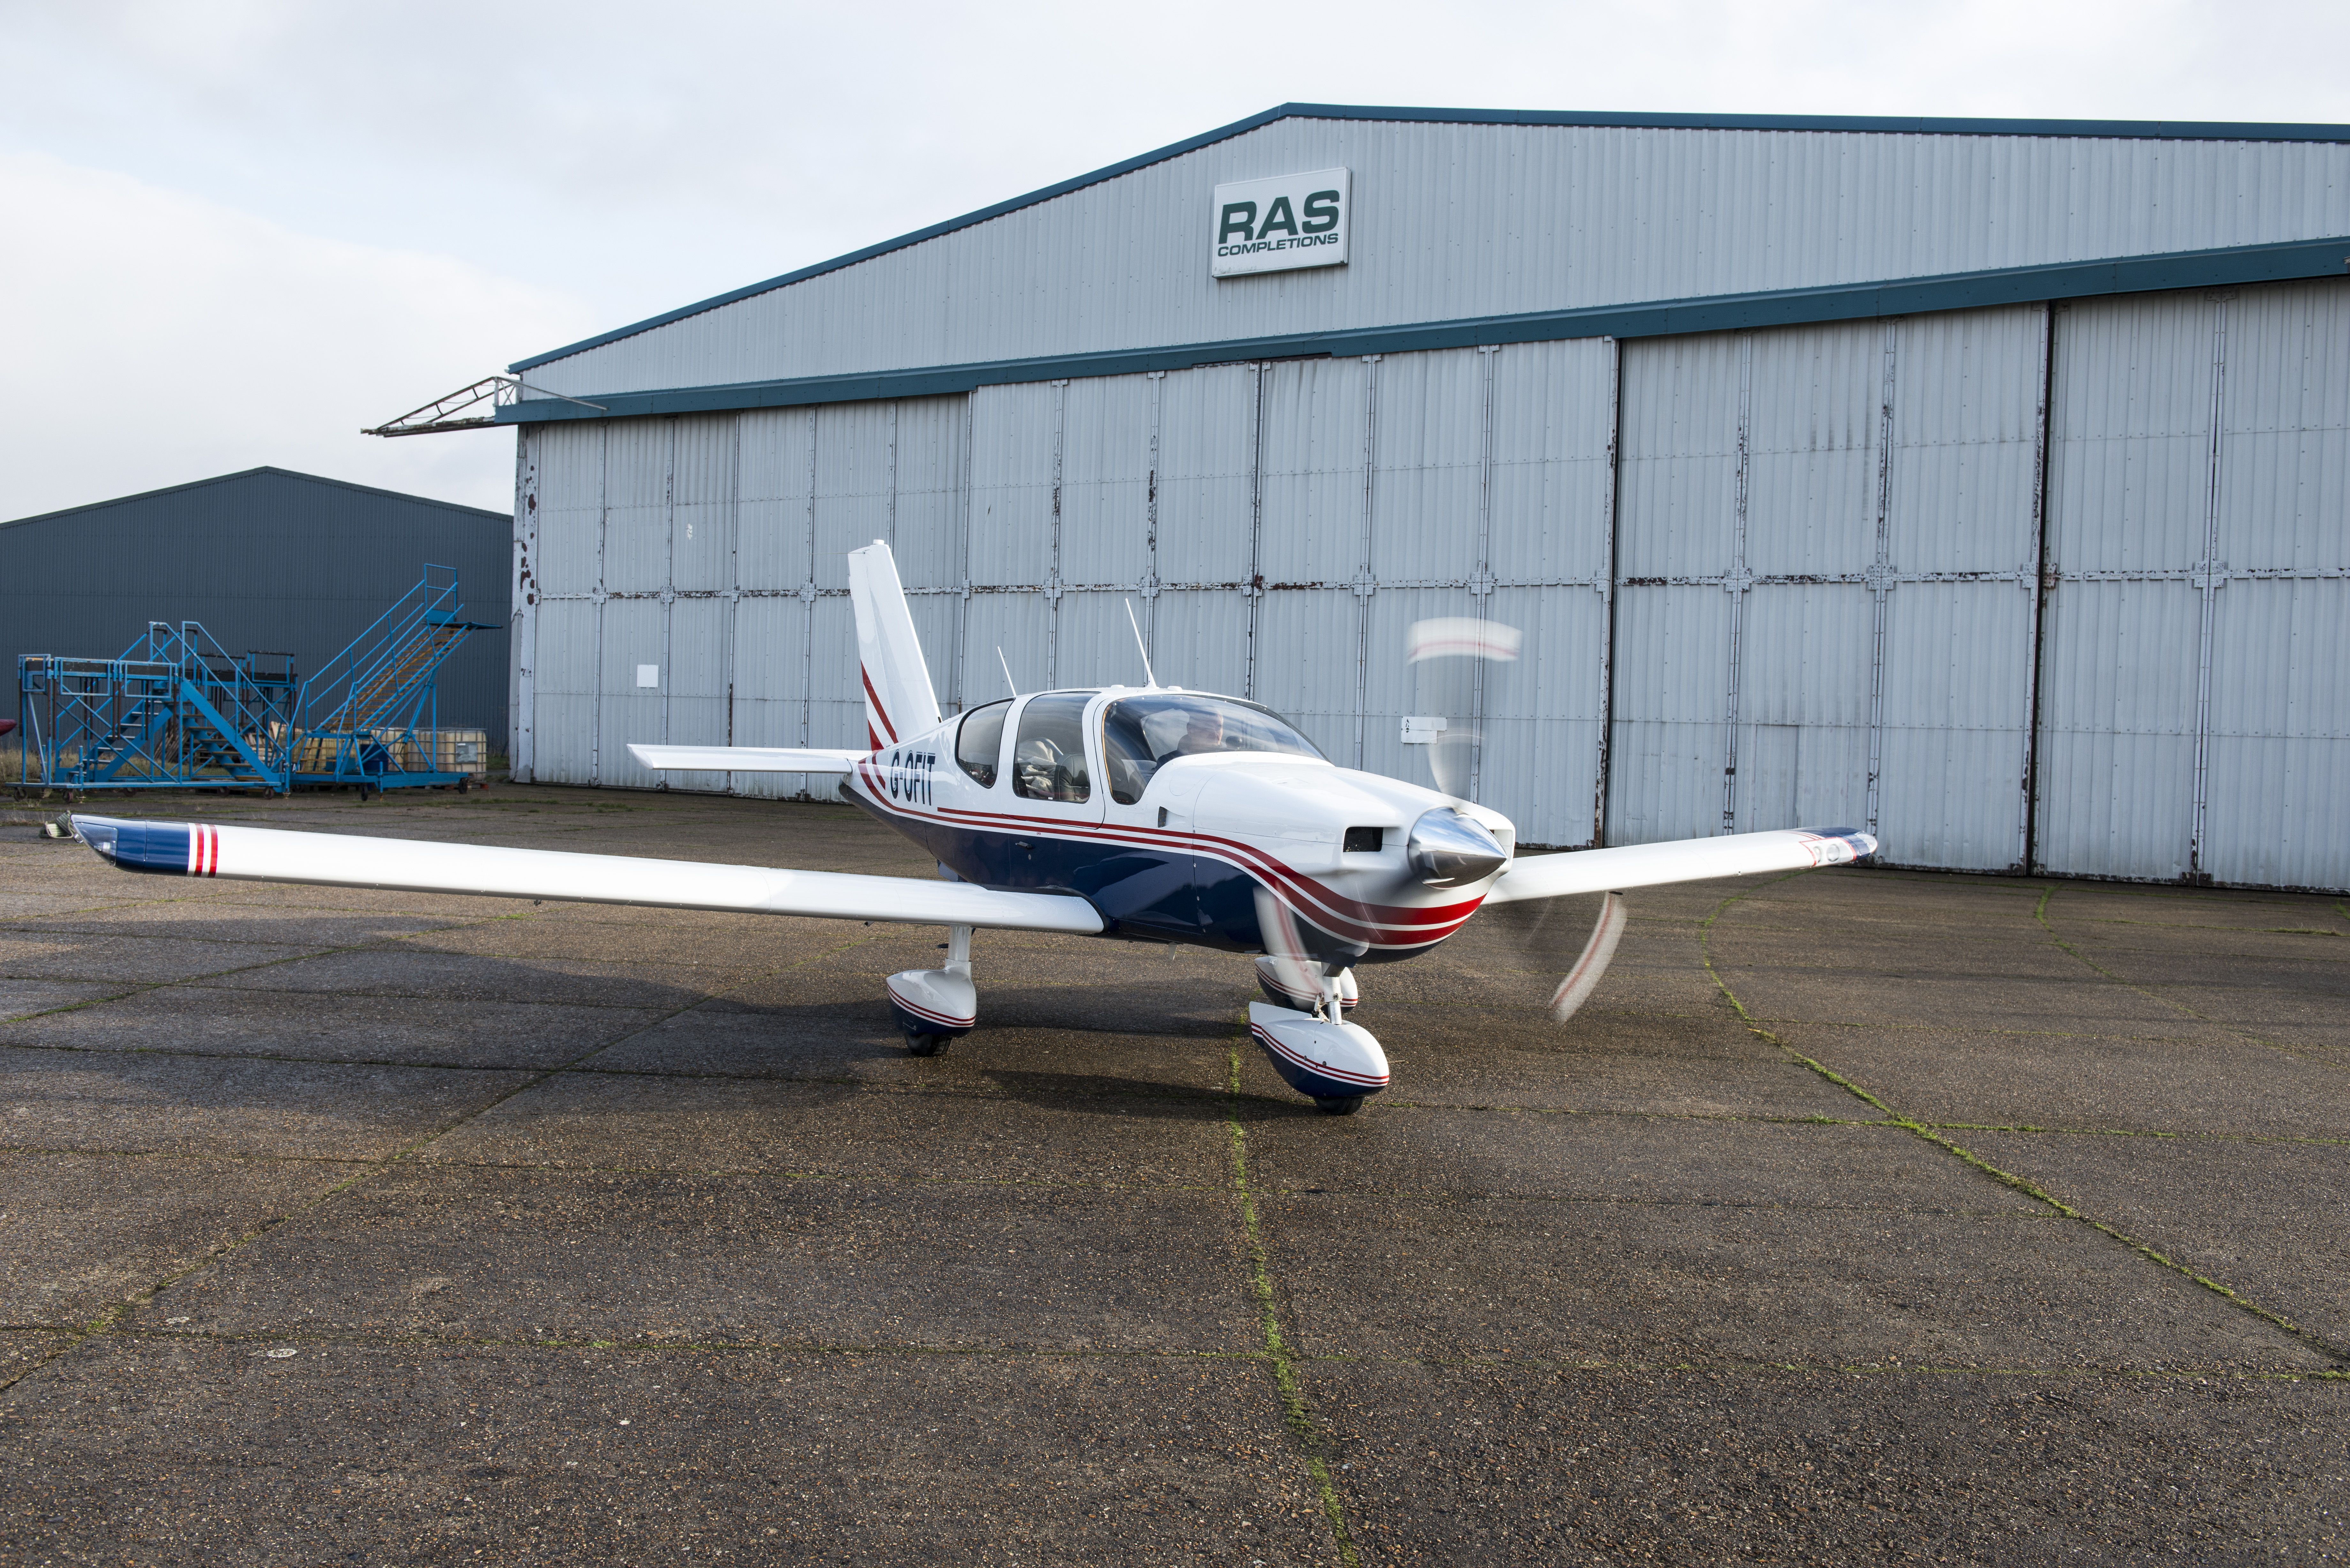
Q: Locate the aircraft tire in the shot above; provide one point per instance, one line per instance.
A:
(1345, 1105)
(924, 1044)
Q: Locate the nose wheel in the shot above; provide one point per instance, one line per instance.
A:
(919, 1043)
(1345, 1105)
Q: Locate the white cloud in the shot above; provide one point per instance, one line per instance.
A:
(155, 338)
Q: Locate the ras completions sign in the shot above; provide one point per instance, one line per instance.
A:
(1288, 221)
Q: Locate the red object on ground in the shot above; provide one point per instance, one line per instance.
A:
(7, 725)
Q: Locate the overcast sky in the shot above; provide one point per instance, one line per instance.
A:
(237, 232)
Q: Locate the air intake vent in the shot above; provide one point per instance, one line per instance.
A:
(1364, 840)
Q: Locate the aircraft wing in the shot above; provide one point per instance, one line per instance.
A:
(746, 759)
(339, 860)
(1685, 860)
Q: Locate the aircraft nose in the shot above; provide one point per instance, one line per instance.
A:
(1448, 849)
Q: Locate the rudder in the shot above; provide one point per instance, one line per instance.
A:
(900, 700)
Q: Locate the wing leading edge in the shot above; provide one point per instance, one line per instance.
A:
(746, 759)
(339, 860)
(1685, 860)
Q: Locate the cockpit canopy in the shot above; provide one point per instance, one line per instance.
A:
(1142, 734)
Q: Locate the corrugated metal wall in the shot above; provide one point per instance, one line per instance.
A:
(1276, 528)
(1810, 592)
(1829, 536)
(266, 559)
(2196, 717)
(1453, 222)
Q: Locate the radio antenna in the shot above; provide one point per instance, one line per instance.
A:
(1151, 679)
(1007, 670)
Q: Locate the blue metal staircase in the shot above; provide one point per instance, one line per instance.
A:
(371, 716)
(176, 711)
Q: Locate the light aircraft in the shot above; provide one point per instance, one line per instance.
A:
(1147, 814)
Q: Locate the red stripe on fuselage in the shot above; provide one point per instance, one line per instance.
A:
(1379, 925)
(1248, 856)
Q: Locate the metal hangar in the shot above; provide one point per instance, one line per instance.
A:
(1981, 485)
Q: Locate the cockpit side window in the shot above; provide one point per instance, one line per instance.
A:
(1142, 734)
(1048, 762)
(979, 741)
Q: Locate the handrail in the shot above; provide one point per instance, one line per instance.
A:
(386, 665)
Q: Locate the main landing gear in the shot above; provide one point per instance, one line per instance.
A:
(932, 1006)
(1334, 1064)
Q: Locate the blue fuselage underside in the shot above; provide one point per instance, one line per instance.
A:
(1143, 894)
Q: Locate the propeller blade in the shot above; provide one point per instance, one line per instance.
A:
(1297, 971)
(1449, 656)
(1584, 978)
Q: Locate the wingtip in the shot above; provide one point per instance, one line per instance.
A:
(99, 835)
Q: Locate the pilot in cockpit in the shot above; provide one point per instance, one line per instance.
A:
(1204, 732)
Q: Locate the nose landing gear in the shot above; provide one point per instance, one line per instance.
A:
(1336, 1065)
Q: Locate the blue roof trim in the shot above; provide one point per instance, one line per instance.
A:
(1911, 125)
(1780, 307)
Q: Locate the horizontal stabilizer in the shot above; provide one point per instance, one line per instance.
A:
(745, 759)
(1684, 860)
(339, 860)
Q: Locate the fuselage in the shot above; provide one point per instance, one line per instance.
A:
(1174, 846)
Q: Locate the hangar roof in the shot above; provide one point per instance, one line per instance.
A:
(1556, 223)
(254, 474)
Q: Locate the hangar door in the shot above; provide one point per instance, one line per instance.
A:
(2197, 718)
(1279, 526)
(1827, 550)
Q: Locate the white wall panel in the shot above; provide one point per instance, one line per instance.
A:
(1202, 640)
(778, 464)
(856, 464)
(632, 635)
(1313, 483)
(701, 535)
(1106, 481)
(1554, 426)
(1207, 474)
(927, 537)
(566, 686)
(1427, 467)
(1016, 441)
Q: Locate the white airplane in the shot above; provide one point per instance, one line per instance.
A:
(1147, 813)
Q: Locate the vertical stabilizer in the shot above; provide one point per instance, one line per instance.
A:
(900, 701)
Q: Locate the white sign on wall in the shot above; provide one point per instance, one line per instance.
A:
(1288, 221)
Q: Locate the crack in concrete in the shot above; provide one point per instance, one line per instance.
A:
(1309, 1437)
(2006, 1179)
(2040, 913)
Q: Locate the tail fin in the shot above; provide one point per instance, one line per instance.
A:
(899, 698)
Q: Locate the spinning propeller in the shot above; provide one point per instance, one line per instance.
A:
(1460, 665)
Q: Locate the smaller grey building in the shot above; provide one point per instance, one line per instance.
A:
(268, 559)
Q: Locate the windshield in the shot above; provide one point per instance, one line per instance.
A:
(1142, 734)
